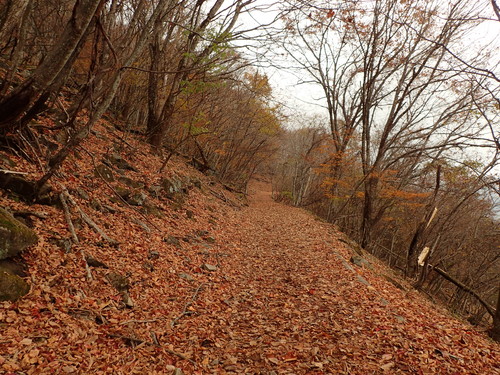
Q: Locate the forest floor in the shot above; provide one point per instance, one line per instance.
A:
(218, 287)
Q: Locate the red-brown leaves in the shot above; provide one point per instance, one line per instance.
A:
(280, 300)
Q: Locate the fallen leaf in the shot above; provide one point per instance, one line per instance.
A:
(26, 341)
(274, 360)
(387, 366)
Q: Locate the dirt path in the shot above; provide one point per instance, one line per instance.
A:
(286, 303)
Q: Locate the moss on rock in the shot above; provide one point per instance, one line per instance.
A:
(14, 235)
(12, 287)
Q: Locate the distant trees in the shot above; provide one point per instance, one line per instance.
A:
(383, 66)
(303, 151)
(230, 128)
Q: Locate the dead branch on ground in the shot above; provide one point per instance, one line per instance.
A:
(186, 306)
(135, 341)
(67, 215)
(87, 218)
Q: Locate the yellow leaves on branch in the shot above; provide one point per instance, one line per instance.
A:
(259, 83)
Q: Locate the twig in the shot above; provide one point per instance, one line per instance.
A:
(141, 224)
(154, 338)
(181, 356)
(71, 227)
(232, 189)
(61, 105)
(186, 306)
(94, 226)
(223, 198)
(135, 341)
(87, 218)
(23, 138)
(13, 172)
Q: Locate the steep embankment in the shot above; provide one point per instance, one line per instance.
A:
(216, 287)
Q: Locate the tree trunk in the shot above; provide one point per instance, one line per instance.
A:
(158, 128)
(11, 12)
(495, 331)
(153, 87)
(425, 268)
(430, 211)
(367, 218)
(18, 48)
(106, 95)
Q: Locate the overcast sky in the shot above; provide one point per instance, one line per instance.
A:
(300, 99)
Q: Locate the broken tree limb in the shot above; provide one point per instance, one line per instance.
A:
(423, 227)
(186, 306)
(87, 218)
(223, 198)
(465, 288)
(96, 227)
(13, 172)
(426, 256)
(67, 215)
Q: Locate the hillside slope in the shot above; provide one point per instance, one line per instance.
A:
(193, 281)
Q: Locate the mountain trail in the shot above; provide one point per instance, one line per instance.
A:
(292, 305)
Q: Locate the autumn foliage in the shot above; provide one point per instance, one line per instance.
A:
(159, 170)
